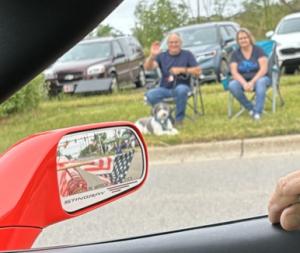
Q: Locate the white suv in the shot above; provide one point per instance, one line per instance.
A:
(287, 36)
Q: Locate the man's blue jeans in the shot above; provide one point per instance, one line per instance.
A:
(260, 89)
(180, 94)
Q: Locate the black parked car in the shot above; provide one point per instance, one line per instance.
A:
(99, 64)
(211, 43)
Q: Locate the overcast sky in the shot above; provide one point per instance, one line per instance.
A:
(123, 19)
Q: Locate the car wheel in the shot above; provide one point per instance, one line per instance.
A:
(223, 70)
(114, 83)
(290, 70)
(141, 80)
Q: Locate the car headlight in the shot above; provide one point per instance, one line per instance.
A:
(206, 55)
(49, 74)
(96, 69)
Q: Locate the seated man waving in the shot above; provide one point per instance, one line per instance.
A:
(175, 64)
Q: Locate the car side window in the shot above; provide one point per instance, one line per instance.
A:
(117, 49)
(224, 34)
(232, 32)
(125, 45)
(131, 45)
(136, 46)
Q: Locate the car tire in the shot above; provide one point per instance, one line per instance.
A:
(114, 83)
(141, 79)
(289, 70)
(223, 70)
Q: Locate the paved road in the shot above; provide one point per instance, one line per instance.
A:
(177, 196)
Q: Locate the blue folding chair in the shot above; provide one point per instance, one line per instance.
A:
(269, 47)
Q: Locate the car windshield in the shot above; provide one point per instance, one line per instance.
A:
(192, 37)
(87, 51)
(199, 36)
(214, 170)
(289, 26)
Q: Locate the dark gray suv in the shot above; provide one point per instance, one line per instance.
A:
(211, 43)
(100, 64)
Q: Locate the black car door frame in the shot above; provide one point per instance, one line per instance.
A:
(243, 236)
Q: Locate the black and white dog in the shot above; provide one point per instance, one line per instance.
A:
(159, 123)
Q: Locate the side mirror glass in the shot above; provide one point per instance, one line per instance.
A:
(96, 165)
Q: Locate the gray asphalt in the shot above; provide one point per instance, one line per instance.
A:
(180, 195)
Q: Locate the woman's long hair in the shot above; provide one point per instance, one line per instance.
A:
(249, 34)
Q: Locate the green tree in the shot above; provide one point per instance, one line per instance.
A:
(158, 17)
(261, 16)
(293, 5)
(107, 30)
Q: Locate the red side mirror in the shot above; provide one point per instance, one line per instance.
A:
(57, 175)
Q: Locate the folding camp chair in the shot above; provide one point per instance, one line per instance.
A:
(269, 47)
(195, 99)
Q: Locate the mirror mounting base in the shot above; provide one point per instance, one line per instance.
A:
(16, 238)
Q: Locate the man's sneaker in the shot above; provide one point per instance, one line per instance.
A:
(251, 113)
(256, 116)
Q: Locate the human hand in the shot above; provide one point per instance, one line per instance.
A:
(251, 85)
(177, 70)
(155, 49)
(248, 87)
(284, 204)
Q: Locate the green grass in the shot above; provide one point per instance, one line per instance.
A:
(129, 105)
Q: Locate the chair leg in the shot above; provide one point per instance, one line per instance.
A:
(195, 101)
(239, 113)
(274, 95)
(229, 105)
(198, 105)
(201, 101)
(280, 96)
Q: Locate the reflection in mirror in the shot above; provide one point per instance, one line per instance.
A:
(98, 164)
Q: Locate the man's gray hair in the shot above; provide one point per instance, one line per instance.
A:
(176, 34)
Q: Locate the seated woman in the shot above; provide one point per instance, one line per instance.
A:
(249, 67)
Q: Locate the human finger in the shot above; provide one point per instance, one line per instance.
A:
(174, 70)
(290, 218)
(293, 174)
(292, 187)
(280, 200)
(276, 206)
